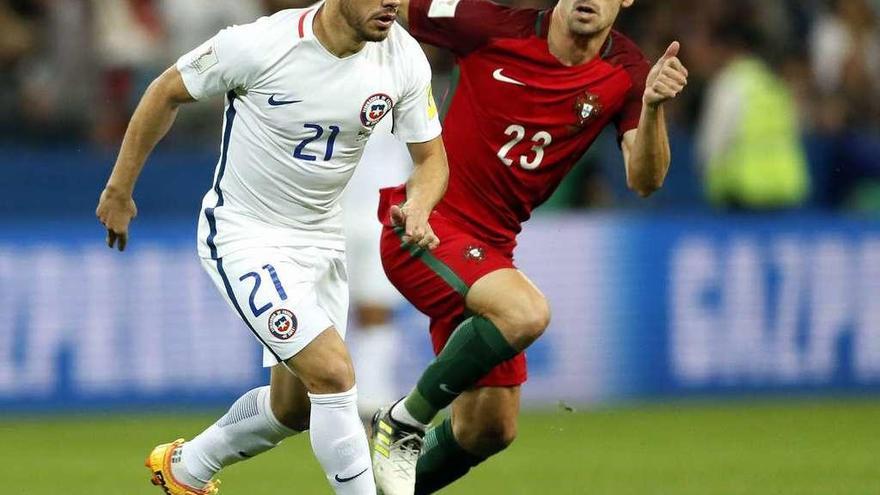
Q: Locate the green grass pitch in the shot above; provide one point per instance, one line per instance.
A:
(800, 448)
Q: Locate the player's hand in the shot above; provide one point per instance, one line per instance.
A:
(667, 78)
(414, 221)
(115, 211)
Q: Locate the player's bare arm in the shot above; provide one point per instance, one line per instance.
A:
(424, 189)
(646, 149)
(151, 121)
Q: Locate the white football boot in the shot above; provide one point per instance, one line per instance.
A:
(396, 450)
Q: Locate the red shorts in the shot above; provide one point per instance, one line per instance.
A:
(436, 282)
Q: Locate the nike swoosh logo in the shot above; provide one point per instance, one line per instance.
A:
(448, 390)
(278, 103)
(501, 77)
(344, 480)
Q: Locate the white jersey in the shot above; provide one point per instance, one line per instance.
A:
(297, 120)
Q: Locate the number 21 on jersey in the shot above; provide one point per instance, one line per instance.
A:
(517, 133)
(318, 131)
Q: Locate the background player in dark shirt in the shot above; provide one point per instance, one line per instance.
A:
(536, 88)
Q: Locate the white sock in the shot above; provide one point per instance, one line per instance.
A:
(373, 358)
(247, 429)
(340, 443)
(401, 414)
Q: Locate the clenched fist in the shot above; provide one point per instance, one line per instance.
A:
(416, 229)
(667, 78)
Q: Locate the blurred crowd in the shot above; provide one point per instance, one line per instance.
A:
(783, 107)
(75, 69)
(784, 97)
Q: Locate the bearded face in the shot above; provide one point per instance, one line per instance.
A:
(590, 17)
(371, 19)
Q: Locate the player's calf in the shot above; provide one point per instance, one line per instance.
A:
(483, 423)
(289, 399)
(248, 429)
(485, 439)
(453, 450)
(336, 432)
(293, 417)
(485, 419)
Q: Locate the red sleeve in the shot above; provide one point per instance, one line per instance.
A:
(465, 25)
(625, 53)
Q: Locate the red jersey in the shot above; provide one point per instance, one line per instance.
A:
(519, 120)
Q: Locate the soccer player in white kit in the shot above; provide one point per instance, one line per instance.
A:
(305, 89)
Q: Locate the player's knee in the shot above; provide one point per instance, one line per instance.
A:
(333, 376)
(337, 378)
(527, 321)
(324, 366)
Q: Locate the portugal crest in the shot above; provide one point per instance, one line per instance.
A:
(586, 108)
(376, 107)
(474, 253)
(282, 324)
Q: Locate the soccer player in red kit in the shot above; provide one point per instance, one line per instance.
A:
(536, 88)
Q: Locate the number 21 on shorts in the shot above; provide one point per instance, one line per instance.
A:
(273, 275)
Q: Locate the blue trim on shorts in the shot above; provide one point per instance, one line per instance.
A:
(212, 221)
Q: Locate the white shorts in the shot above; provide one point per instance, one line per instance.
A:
(287, 296)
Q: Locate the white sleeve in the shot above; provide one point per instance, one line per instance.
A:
(416, 117)
(226, 62)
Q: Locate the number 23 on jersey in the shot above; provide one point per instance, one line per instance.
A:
(528, 161)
